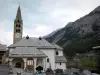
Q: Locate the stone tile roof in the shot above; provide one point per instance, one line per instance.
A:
(57, 47)
(3, 47)
(30, 47)
(32, 42)
(59, 59)
(26, 52)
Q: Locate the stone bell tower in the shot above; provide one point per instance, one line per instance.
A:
(18, 27)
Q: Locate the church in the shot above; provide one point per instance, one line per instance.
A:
(31, 52)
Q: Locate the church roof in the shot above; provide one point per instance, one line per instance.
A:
(59, 59)
(57, 47)
(26, 52)
(33, 42)
(30, 47)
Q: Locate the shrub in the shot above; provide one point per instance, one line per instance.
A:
(49, 71)
(59, 71)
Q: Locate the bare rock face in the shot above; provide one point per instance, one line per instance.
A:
(83, 28)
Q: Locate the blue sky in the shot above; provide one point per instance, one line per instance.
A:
(41, 17)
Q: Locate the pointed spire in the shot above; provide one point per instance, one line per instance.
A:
(18, 16)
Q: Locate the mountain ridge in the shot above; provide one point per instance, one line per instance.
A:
(84, 30)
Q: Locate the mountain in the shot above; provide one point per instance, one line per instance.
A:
(51, 34)
(79, 36)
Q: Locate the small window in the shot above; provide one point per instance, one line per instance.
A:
(48, 60)
(57, 53)
(29, 62)
(18, 30)
(60, 63)
(18, 20)
(18, 25)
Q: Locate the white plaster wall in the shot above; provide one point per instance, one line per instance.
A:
(60, 53)
(62, 66)
(51, 55)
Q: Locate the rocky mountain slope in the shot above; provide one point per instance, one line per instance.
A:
(79, 36)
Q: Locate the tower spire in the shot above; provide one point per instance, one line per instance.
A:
(18, 16)
(18, 26)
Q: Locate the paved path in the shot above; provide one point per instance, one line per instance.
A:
(4, 70)
(16, 70)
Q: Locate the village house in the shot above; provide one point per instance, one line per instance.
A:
(3, 51)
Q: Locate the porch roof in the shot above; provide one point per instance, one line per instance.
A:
(60, 59)
(26, 52)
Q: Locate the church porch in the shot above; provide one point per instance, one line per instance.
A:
(27, 63)
(16, 63)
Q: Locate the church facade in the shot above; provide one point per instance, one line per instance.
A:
(31, 52)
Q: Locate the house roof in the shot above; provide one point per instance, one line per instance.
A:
(60, 59)
(26, 52)
(32, 42)
(3, 47)
(96, 47)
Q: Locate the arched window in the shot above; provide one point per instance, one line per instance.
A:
(47, 59)
(57, 53)
(29, 61)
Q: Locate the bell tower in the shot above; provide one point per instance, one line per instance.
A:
(18, 27)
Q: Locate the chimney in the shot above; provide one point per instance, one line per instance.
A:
(27, 37)
(40, 38)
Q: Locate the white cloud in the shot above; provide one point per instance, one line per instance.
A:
(5, 36)
(37, 30)
(41, 17)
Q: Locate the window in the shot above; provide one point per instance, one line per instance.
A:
(18, 25)
(47, 59)
(18, 20)
(60, 63)
(29, 62)
(57, 53)
(18, 30)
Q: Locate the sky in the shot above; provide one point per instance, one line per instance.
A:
(41, 17)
